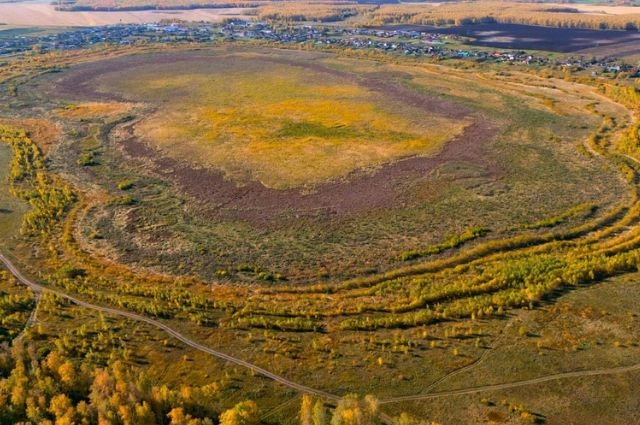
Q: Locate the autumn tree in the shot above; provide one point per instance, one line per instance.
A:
(319, 413)
(306, 410)
(243, 413)
(351, 410)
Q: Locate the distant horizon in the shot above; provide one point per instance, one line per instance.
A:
(42, 13)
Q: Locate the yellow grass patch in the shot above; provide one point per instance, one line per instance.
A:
(286, 128)
(43, 132)
(95, 110)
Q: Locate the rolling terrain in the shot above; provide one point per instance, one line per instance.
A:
(239, 221)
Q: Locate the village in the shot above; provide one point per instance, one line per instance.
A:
(408, 43)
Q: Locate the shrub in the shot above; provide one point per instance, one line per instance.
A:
(125, 185)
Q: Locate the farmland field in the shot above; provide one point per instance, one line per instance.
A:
(513, 36)
(44, 14)
(460, 242)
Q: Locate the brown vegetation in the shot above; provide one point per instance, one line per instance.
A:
(43, 132)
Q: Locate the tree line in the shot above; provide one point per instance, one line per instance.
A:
(498, 12)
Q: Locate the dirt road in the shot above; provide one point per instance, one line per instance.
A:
(39, 289)
(506, 386)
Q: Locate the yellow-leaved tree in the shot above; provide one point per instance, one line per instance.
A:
(243, 413)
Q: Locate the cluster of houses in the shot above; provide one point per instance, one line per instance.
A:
(403, 42)
(112, 34)
(415, 43)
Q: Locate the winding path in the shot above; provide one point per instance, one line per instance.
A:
(39, 289)
(494, 387)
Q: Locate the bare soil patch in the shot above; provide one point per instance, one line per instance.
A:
(79, 83)
(630, 51)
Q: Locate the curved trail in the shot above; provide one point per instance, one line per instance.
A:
(36, 288)
(470, 366)
(33, 317)
(542, 379)
(39, 289)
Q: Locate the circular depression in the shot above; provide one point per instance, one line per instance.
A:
(269, 135)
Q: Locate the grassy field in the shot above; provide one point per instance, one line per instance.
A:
(458, 13)
(523, 172)
(508, 254)
(585, 329)
(283, 125)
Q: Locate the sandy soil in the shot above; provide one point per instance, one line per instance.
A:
(35, 14)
